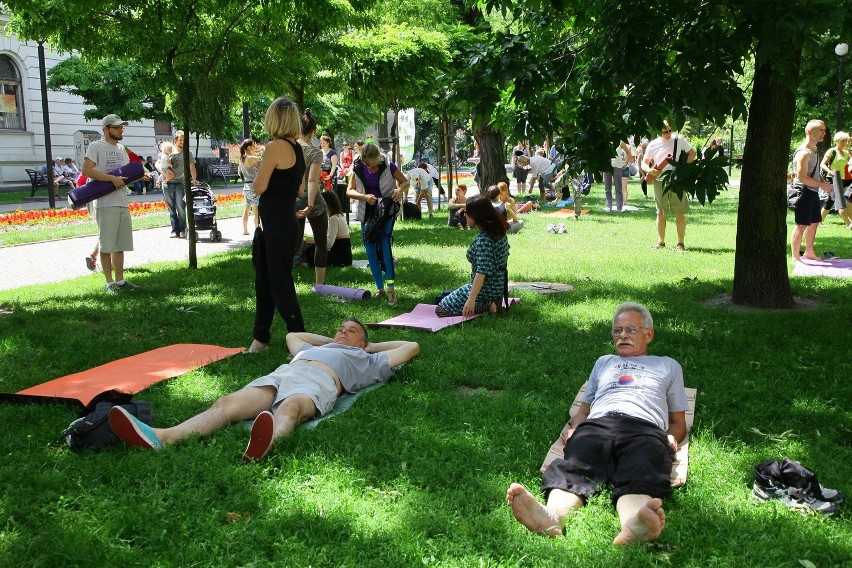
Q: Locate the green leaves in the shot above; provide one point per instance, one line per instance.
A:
(703, 178)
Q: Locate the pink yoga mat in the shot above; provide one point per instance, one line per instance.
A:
(341, 292)
(423, 317)
(94, 189)
(834, 267)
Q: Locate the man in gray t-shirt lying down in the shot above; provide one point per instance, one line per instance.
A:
(629, 424)
(322, 369)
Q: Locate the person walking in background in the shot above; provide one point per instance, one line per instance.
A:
(248, 169)
(330, 162)
(617, 177)
(309, 205)
(835, 165)
(806, 173)
(656, 159)
(175, 193)
(375, 178)
(279, 180)
(519, 171)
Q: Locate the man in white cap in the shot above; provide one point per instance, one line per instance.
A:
(115, 231)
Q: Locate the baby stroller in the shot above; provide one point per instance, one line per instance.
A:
(204, 212)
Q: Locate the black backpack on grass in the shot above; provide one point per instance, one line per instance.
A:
(93, 430)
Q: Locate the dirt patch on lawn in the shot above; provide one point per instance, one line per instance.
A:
(470, 391)
(724, 301)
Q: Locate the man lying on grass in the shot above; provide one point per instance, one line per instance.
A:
(630, 421)
(321, 370)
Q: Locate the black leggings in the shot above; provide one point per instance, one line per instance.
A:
(319, 225)
(272, 256)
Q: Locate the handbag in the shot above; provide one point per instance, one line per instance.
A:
(794, 194)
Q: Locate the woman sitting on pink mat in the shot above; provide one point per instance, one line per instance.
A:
(488, 256)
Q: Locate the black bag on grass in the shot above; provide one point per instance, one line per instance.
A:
(93, 430)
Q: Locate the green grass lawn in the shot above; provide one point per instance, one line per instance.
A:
(416, 472)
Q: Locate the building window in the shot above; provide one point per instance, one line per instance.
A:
(162, 128)
(11, 101)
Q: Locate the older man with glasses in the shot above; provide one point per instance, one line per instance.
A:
(630, 422)
(655, 161)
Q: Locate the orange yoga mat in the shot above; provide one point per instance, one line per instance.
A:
(117, 380)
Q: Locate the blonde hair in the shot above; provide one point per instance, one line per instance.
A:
(167, 148)
(841, 137)
(282, 119)
(504, 189)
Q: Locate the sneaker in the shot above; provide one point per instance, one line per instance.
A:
(182, 235)
(261, 440)
(680, 248)
(132, 431)
(560, 229)
(126, 286)
(174, 236)
(659, 245)
(391, 297)
(792, 498)
(112, 288)
(551, 228)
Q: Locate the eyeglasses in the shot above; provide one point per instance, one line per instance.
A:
(669, 131)
(629, 330)
(120, 127)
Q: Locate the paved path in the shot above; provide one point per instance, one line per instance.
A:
(56, 261)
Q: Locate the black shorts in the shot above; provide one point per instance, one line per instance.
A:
(632, 455)
(521, 174)
(808, 208)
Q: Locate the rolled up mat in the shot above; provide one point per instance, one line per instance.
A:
(94, 189)
(341, 292)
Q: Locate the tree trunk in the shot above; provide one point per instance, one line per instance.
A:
(760, 262)
(491, 157)
(187, 191)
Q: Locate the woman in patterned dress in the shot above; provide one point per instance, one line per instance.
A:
(488, 256)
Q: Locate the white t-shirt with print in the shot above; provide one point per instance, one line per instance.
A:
(108, 157)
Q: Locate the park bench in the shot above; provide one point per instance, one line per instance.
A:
(225, 171)
(37, 180)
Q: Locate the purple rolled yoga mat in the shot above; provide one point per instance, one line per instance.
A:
(95, 188)
(341, 292)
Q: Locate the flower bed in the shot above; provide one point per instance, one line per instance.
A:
(56, 217)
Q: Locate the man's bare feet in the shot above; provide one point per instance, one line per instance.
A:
(645, 526)
(531, 513)
(811, 257)
(256, 347)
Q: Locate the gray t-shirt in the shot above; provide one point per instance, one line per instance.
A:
(177, 165)
(646, 387)
(813, 169)
(355, 367)
(108, 157)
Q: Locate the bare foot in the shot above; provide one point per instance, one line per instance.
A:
(645, 526)
(811, 257)
(256, 347)
(530, 513)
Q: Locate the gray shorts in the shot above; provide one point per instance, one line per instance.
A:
(301, 379)
(115, 230)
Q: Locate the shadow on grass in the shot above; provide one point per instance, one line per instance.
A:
(418, 468)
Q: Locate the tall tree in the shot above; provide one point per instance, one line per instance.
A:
(636, 63)
(194, 51)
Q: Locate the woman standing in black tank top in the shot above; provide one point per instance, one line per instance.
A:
(278, 181)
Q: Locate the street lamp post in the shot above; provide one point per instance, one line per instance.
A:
(841, 49)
